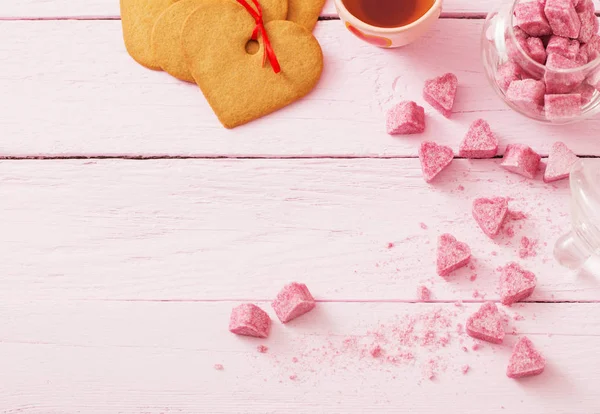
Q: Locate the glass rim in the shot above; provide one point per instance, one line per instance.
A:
(582, 68)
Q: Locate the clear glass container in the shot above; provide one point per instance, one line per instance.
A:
(503, 53)
(580, 248)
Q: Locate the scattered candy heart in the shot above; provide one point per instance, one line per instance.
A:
(249, 320)
(516, 284)
(405, 118)
(559, 164)
(490, 214)
(486, 324)
(440, 93)
(451, 254)
(293, 301)
(520, 159)
(525, 360)
(434, 158)
(480, 141)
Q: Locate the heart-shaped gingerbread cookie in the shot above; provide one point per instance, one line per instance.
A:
(166, 35)
(137, 19)
(305, 12)
(235, 83)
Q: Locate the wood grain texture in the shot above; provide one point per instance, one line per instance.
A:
(218, 229)
(156, 358)
(95, 8)
(110, 8)
(92, 99)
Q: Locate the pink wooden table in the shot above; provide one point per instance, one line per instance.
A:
(131, 223)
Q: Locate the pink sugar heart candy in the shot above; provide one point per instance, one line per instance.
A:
(434, 158)
(531, 19)
(563, 46)
(508, 72)
(589, 25)
(527, 94)
(249, 320)
(516, 284)
(558, 82)
(440, 93)
(520, 159)
(486, 324)
(292, 301)
(563, 18)
(405, 118)
(562, 106)
(559, 163)
(586, 91)
(480, 141)
(592, 47)
(525, 360)
(451, 254)
(536, 49)
(490, 214)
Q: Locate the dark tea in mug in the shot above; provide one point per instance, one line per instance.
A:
(388, 13)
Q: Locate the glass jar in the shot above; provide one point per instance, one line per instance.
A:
(505, 60)
(580, 248)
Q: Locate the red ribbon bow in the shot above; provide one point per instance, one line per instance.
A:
(260, 28)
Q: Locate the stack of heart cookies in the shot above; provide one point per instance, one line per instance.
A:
(249, 57)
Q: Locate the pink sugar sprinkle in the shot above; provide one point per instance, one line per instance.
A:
(423, 294)
(390, 245)
(465, 349)
(451, 254)
(293, 377)
(294, 360)
(475, 294)
(460, 188)
(423, 226)
(465, 369)
(516, 215)
(528, 248)
(219, 367)
(476, 346)
(376, 351)
(440, 93)
(262, 349)
(473, 277)
(434, 158)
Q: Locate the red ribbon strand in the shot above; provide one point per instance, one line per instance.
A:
(260, 28)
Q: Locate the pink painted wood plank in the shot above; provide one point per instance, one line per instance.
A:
(98, 357)
(219, 229)
(60, 8)
(94, 8)
(91, 99)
